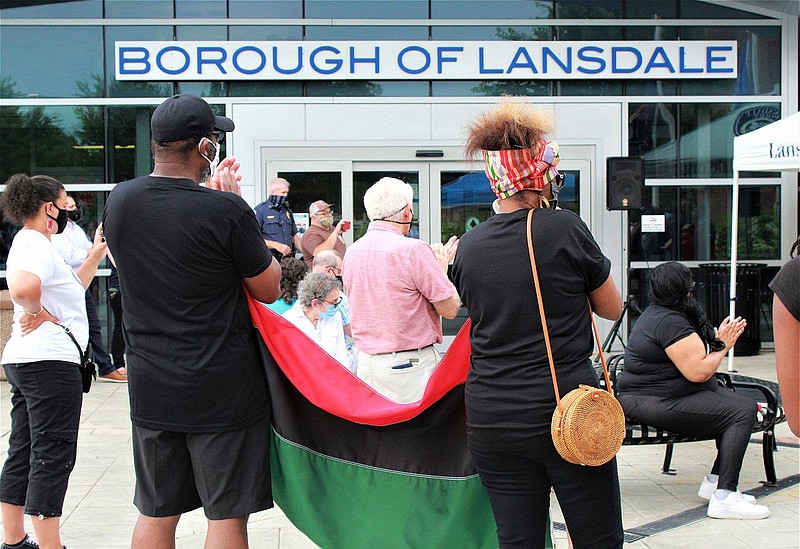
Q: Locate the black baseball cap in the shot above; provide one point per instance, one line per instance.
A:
(183, 116)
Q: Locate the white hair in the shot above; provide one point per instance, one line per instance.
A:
(387, 198)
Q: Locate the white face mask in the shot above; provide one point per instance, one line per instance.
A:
(212, 164)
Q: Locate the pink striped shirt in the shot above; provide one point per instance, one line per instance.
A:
(391, 283)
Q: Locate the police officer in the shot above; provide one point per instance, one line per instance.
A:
(277, 220)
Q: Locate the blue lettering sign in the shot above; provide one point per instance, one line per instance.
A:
(515, 63)
(125, 59)
(654, 63)
(711, 58)
(335, 64)
(374, 60)
(601, 63)
(218, 61)
(566, 67)
(482, 66)
(684, 68)
(287, 71)
(402, 64)
(244, 49)
(183, 52)
(441, 59)
(616, 50)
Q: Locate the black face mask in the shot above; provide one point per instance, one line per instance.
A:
(61, 219)
(74, 215)
(277, 200)
(339, 278)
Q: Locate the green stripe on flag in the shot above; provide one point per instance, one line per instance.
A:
(345, 505)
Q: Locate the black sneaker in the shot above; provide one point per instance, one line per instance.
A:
(27, 543)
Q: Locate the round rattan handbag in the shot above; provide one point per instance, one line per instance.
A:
(588, 423)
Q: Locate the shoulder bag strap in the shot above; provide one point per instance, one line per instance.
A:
(75, 341)
(544, 320)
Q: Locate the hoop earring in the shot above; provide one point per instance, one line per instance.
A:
(545, 203)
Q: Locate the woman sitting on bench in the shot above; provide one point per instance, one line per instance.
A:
(669, 383)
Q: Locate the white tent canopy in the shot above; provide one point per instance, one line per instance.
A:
(773, 148)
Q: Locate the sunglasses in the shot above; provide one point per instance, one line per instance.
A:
(219, 135)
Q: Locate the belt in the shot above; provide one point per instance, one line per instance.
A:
(405, 351)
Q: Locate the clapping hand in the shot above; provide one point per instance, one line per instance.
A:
(729, 331)
(226, 177)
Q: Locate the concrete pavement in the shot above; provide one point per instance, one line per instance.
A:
(659, 511)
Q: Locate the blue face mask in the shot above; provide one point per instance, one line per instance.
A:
(330, 311)
(277, 200)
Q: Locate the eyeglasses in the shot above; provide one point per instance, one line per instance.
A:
(334, 304)
(558, 182)
(219, 135)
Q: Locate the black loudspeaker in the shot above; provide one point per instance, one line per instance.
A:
(625, 176)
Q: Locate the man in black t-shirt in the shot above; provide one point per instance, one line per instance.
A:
(199, 402)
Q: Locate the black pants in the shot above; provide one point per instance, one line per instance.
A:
(96, 338)
(721, 413)
(518, 483)
(117, 340)
(46, 402)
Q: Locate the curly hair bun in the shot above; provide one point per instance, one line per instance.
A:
(511, 124)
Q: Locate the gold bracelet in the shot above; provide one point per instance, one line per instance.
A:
(37, 313)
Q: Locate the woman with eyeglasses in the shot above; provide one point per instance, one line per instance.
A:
(672, 355)
(316, 313)
(41, 360)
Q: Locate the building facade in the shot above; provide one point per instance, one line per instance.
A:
(316, 101)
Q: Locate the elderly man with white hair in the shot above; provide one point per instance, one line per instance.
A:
(398, 291)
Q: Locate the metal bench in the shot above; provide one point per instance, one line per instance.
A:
(770, 413)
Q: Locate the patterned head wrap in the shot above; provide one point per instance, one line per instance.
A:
(514, 170)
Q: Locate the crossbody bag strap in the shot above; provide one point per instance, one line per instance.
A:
(536, 286)
(75, 341)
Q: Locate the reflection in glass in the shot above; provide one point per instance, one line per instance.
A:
(118, 88)
(204, 88)
(697, 224)
(66, 61)
(307, 187)
(466, 201)
(653, 135)
(367, 88)
(589, 9)
(76, 9)
(759, 65)
(129, 153)
(521, 9)
(200, 9)
(363, 181)
(363, 9)
(62, 142)
(277, 9)
(135, 9)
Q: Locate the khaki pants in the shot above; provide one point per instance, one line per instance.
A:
(401, 376)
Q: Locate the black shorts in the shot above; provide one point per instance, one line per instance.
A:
(227, 473)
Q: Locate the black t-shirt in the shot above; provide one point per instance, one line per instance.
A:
(786, 286)
(181, 251)
(648, 369)
(509, 391)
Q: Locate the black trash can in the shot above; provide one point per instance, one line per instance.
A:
(715, 285)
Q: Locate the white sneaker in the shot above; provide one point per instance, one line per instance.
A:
(736, 507)
(708, 488)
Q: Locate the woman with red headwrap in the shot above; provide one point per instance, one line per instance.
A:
(509, 391)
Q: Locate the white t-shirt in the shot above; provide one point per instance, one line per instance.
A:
(328, 334)
(72, 244)
(62, 294)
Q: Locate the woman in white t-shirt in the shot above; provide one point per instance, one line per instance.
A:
(315, 313)
(41, 361)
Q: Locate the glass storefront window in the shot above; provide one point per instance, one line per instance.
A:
(697, 223)
(76, 9)
(199, 33)
(491, 88)
(63, 142)
(135, 9)
(371, 9)
(589, 9)
(466, 199)
(129, 153)
(693, 140)
(66, 61)
(276, 9)
(118, 88)
(652, 9)
(367, 88)
(692, 9)
(497, 9)
(759, 67)
(200, 9)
